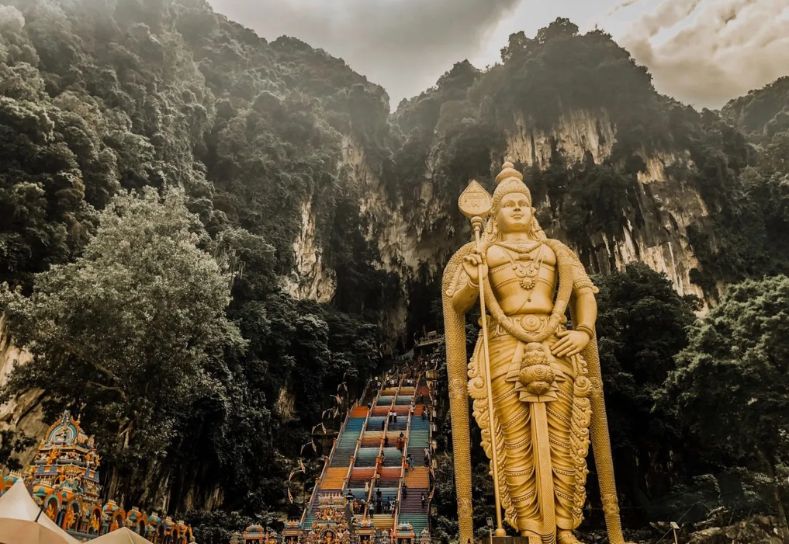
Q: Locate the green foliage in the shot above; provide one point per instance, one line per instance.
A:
(763, 112)
(641, 326)
(98, 97)
(589, 198)
(560, 69)
(13, 442)
(130, 333)
(735, 367)
(444, 503)
(218, 527)
(728, 396)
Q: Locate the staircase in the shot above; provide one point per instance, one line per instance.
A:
(366, 462)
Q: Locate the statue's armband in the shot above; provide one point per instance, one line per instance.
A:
(584, 285)
(581, 281)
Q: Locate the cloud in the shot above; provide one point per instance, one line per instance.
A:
(705, 52)
(403, 45)
(702, 52)
(622, 5)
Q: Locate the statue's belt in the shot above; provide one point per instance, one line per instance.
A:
(532, 323)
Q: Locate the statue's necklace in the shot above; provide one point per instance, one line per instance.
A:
(526, 271)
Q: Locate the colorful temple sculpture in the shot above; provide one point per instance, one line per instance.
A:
(64, 480)
(376, 484)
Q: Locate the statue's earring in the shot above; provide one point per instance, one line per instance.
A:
(493, 229)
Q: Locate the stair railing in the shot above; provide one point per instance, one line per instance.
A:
(326, 465)
(405, 454)
(430, 488)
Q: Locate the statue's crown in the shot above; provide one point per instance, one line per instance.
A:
(509, 181)
(508, 171)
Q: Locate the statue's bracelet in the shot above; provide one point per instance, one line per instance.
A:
(584, 328)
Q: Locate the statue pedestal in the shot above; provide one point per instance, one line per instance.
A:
(515, 540)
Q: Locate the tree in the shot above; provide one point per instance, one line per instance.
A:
(127, 334)
(561, 27)
(729, 388)
(641, 327)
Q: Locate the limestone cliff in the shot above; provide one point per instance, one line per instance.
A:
(22, 414)
(665, 205)
(415, 232)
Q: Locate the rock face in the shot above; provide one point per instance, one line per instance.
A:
(24, 412)
(575, 133)
(666, 206)
(9, 354)
(655, 233)
(415, 232)
(310, 278)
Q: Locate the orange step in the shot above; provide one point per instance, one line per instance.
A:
(362, 473)
(418, 478)
(334, 478)
(358, 411)
(390, 473)
(371, 441)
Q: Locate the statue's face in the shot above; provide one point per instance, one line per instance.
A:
(515, 213)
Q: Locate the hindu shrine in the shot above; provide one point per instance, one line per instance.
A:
(64, 479)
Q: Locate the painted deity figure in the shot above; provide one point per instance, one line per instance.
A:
(540, 384)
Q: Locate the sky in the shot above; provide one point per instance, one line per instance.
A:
(702, 52)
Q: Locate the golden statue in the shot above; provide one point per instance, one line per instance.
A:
(546, 390)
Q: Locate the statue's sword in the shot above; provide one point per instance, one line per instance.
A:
(541, 447)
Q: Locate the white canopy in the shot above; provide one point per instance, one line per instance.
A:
(120, 536)
(17, 504)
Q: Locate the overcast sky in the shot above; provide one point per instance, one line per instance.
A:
(702, 52)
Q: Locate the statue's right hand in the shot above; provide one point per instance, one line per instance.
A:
(473, 264)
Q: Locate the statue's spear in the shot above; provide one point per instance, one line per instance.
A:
(601, 446)
(475, 203)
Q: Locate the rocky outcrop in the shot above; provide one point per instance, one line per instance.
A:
(575, 133)
(666, 206)
(24, 413)
(404, 230)
(10, 355)
(309, 278)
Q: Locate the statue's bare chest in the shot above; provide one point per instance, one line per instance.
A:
(516, 268)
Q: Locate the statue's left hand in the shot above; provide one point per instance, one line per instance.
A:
(570, 343)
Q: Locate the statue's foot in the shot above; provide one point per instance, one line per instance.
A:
(564, 536)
